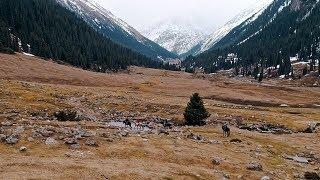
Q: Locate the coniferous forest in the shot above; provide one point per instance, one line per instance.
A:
(270, 40)
(45, 29)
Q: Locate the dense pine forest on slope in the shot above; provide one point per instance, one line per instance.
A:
(114, 28)
(45, 29)
(284, 29)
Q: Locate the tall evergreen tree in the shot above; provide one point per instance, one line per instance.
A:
(195, 113)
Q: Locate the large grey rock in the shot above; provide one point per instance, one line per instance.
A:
(23, 149)
(30, 139)
(71, 141)
(51, 141)
(216, 161)
(18, 130)
(3, 137)
(265, 178)
(194, 137)
(254, 166)
(298, 159)
(44, 132)
(91, 142)
(124, 133)
(7, 123)
(12, 139)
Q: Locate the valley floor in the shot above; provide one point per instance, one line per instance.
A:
(32, 90)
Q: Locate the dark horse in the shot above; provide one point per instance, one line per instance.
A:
(167, 124)
(226, 130)
(127, 123)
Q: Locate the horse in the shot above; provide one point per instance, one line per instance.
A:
(127, 123)
(226, 130)
(166, 124)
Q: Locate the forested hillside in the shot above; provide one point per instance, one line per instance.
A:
(286, 28)
(104, 22)
(45, 29)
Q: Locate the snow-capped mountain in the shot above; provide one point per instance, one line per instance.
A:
(249, 14)
(175, 35)
(114, 28)
(281, 19)
(283, 29)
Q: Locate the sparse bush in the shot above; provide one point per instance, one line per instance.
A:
(195, 113)
(66, 115)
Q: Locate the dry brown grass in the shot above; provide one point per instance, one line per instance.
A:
(29, 84)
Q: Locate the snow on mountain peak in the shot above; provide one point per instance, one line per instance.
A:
(175, 35)
(248, 15)
(114, 28)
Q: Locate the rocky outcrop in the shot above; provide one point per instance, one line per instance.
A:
(295, 5)
(254, 166)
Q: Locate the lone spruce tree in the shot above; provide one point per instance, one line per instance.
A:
(195, 113)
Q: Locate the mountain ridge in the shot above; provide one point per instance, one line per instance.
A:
(175, 35)
(286, 28)
(115, 28)
(250, 13)
(46, 29)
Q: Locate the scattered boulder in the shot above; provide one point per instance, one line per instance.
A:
(194, 137)
(66, 115)
(216, 161)
(71, 141)
(226, 176)
(310, 129)
(298, 159)
(266, 128)
(3, 137)
(23, 149)
(80, 133)
(311, 175)
(298, 175)
(91, 142)
(215, 142)
(236, 141)
(51, 141)
(265, 178)
(44, 132)
(284, 105)
(30, 139)
(254, 166)
(124, 133)
(75, 146)
(7, 123)
(18, 130)
(12, 139)
(163, 131)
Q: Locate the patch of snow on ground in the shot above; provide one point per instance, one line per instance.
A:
(28, 54)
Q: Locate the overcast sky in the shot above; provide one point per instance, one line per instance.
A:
(205, 13)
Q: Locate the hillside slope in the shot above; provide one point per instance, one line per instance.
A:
(46, 29)
(98, 146)
(284, 29)
(114, 28)
(246, 15)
